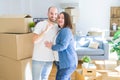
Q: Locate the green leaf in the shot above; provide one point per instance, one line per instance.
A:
(86, 59)
(32, 24)
(116, 35)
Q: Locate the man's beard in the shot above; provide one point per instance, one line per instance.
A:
(52, 20)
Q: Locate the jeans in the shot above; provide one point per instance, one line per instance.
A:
(41, 70)
(65, 73)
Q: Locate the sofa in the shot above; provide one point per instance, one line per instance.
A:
(93, 46)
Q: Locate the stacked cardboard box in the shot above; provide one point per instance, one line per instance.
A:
(74, 15)
(11, 69)
(15, 23)
(16, 48)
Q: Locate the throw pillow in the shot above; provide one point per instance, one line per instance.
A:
(83, 42)
(93, 45)
(100, 41)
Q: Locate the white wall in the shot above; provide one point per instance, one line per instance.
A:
(25, 7)
(39, 7)
(10, 7)
(94, 14)
(36, 8)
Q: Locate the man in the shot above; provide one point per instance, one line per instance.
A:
(43, 57)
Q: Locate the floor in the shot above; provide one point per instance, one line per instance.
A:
(53, 72)
(112, 57)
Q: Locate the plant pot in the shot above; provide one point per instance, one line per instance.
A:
(32, 29)
(85, 65)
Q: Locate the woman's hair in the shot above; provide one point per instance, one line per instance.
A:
(67, 20)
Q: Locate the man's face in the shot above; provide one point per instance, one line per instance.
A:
(52, 14)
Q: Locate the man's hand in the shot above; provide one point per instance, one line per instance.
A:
(35, 37)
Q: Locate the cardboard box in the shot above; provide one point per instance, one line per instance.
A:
(97, 77)
(15, 23)
(78, 75)
(74, 28)
(89, 72)
(74, 19)
(72, 12)
(2, 79)
(15, 70)
(16, 46)
(110, 75)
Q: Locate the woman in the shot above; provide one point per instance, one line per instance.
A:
(65, 46)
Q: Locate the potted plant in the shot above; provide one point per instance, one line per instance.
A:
(116, 44)
(32, 25)
(86, 60)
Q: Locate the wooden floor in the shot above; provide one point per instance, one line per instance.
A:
(107, 65)
(53, 73)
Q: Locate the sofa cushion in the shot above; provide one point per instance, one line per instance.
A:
(83, 41)
(89, 51)
(100, 41)
(93, 45)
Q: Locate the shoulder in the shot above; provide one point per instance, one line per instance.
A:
(56, 27)
(66, 30)
(42, 22)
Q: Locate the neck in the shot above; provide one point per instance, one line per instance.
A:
(50, 21)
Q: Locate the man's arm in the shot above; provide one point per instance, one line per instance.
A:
(38, 36)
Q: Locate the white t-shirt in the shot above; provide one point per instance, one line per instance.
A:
(40, 51)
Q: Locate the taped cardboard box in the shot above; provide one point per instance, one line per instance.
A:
(89, 72)
(16, 46)
(78, 75)
(74, 28)
(2, 79)
(72, 11)
(74, 19)
(15, 70)
(15, 23)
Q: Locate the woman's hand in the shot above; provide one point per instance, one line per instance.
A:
(48, 44)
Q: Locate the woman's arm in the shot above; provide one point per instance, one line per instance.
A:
(62, 42)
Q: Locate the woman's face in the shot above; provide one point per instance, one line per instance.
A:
(60, 20)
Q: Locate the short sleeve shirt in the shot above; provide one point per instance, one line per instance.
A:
(40, 51)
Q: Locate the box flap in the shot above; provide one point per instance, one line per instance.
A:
(16, 16)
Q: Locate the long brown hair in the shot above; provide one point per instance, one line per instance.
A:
(67, 20)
